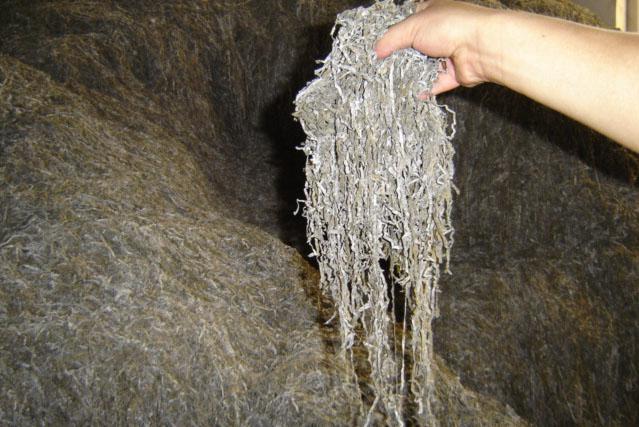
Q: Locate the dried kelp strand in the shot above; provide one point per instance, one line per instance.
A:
(378, 199)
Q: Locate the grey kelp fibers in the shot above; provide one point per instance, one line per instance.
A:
(378, 200)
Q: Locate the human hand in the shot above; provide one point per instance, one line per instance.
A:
(447, 29)
(557, 63)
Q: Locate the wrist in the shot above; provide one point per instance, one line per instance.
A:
(488, 53)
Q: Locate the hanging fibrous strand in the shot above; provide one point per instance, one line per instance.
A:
(378, 199)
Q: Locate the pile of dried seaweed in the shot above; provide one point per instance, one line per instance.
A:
(127, 297)
(138, 141)
(129, 291)
(379, 193)
(132, 288)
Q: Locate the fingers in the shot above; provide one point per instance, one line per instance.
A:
(403, 35)
(399, 36)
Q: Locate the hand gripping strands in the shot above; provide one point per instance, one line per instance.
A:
(378, 193)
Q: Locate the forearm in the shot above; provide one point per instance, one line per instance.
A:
(588, 74)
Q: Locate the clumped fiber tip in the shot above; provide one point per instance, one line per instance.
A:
(378, 200)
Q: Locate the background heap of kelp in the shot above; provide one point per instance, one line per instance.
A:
(146, 164)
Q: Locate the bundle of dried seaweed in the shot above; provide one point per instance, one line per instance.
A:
(379, 180)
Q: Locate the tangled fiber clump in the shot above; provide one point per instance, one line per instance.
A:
(378, 199)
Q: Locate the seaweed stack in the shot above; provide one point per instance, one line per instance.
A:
(146, 163)
(141, 281)
(130, 293)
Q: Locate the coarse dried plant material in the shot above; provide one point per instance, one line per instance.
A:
(378, 200)
(130, 291)
(138, 139)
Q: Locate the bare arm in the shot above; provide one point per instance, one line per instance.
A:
(589, 74)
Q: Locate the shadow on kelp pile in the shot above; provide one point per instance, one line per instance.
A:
(208, 72)
(592, 149)
(534, 178)
(285, 134)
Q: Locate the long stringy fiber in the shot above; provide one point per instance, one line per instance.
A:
(378, 200)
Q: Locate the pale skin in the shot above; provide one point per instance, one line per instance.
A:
(586, 73)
